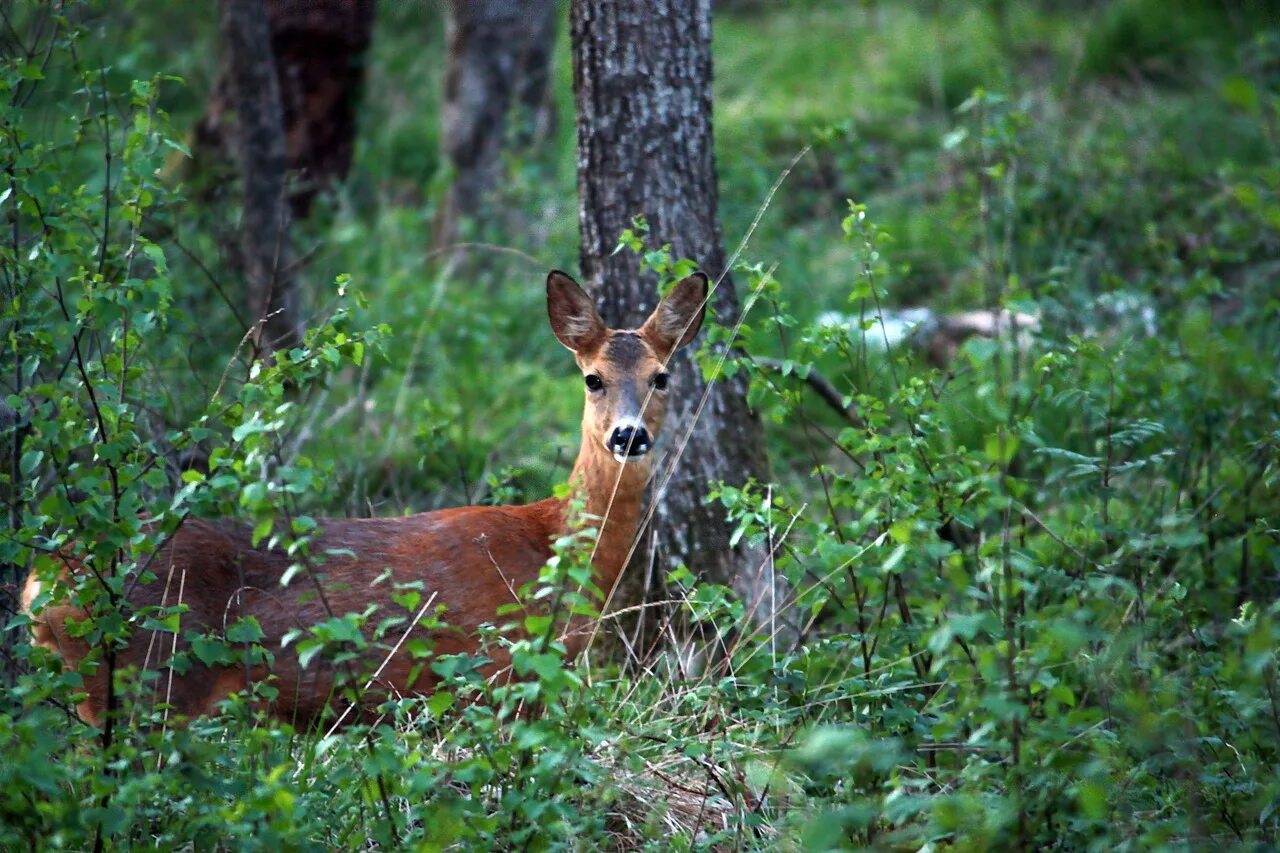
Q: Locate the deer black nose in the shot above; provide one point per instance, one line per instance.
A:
(630, 441)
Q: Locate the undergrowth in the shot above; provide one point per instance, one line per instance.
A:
(1033, 584)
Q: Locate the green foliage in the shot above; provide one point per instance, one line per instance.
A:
(1032, 589)
(1027, 594)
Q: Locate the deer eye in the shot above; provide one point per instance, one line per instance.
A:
(660, 381)
(594, 383)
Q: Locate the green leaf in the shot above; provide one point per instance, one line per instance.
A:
(901, 530)
(1240, 93)
(262, 530)
(254, 425)
(1093, 799)
(307, 651)
(955, 138)
(246, 630)
(290, 573)
(440, 701)
(211, 650)
(168, 623)
(535, 625)
(1000, 447)
(980, 350)
(408, 599)
(549, 667)
(30, 461)
(418, 648)
(177, 146)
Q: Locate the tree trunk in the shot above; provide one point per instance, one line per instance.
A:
(499, 60)
(255, 96)
(319, 48)
(642, 83)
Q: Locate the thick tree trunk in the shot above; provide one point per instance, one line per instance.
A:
(642, 81)
(320, 48)
(255, 96)
(499, 60)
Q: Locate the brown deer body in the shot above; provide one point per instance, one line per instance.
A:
(470, 560)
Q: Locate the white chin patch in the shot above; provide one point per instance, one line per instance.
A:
(624, 459)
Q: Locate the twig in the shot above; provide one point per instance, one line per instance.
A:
(421, 612)
(824, 389)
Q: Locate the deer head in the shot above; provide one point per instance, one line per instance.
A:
(624, 370)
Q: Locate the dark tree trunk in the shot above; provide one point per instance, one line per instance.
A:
(255, 96)
(642, 81)
(495, 90)
(320, 48)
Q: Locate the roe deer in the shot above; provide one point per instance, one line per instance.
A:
(470, 559)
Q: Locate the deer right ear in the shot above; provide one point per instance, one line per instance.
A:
(573, 315)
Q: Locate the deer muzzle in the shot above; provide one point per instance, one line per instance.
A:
(630, 442)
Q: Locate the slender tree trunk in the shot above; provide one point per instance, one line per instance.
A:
(495, 90)
(642, 81)
(14, 426)
(255, 96)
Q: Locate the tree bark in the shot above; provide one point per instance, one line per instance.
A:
(320, 48)
(642, 84)
(496, 86)
(255, 96)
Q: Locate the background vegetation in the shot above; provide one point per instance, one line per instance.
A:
(1036, 586)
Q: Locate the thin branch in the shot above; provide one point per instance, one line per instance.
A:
(824, 389)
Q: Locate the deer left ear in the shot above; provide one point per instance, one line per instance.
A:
(678, 317)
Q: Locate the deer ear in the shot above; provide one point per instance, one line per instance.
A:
(573, 316)
(678, 317)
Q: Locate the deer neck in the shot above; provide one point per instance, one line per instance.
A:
(613, 497)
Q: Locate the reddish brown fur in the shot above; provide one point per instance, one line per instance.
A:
(470, 558)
